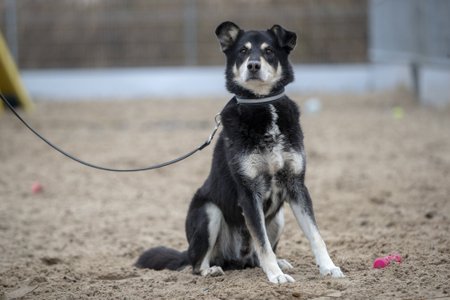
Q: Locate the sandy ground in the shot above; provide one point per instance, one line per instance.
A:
(380, 184)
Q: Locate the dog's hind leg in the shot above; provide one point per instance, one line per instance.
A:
(214, 223)
(203, 237)
(302, 207)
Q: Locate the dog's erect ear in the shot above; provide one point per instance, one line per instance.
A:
(227, 33)
(286, 39)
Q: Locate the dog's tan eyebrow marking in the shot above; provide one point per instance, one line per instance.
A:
(248, 45)
(264, 46)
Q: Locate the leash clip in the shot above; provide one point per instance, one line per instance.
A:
(213, 133)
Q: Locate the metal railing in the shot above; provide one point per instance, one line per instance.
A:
(131, 33)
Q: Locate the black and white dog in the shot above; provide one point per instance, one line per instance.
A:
(236, 218)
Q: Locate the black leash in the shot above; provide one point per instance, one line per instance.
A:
(157, 166)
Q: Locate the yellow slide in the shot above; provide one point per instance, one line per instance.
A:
(10, 83)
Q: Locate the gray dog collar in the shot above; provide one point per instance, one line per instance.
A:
(260, 100)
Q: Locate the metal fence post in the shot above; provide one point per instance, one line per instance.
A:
(11, 28)
(190, 32)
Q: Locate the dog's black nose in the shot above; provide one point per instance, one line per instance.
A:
(253, 66)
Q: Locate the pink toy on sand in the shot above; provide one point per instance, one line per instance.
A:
(36, 187)
(382, 262)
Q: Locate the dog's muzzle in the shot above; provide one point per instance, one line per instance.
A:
(253, 68)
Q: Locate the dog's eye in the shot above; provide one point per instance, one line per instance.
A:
(243, 50)
(268, 51)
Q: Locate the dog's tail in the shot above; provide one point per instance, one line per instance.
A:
(160, 258)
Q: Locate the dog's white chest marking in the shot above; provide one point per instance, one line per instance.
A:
(274, 158)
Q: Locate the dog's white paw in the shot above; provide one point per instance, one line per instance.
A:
(213, 271)
(282, 278)
(334, 271)
(284, 264)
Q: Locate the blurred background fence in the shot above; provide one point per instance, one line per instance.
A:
(118, 33)
(360, 44)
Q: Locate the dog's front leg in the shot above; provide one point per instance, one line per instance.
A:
(301, 205)
(254, 218)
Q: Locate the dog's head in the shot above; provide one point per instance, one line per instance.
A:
(257, 61)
